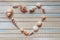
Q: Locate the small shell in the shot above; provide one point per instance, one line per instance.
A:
(38, 5)
(31, 33)
(14, 21)
(15, 6)
(43, 18)
(9, 13)
(23, 11)
(43, 10)
(25, 33)
(22, 30)
(35, 29)
(32, 10)
(39, 24)
(23, 8)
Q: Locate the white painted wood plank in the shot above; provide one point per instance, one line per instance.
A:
(7, 25)
(31, 15)
(29, 0)
(15, 38)
(46, 38)
(33, 36)
(28, 38)
(29, 3)
(31, 19)
(41, 31)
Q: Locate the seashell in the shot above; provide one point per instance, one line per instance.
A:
(43, 10)
(43, 18)
(38, 5)
(32, 10)
(23, 8)
(39, 24)
(9, 13)
(15, 6)
(25, 33)
(31, 33)
(22, 30)
(35, 29)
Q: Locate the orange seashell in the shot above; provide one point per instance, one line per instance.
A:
(25, 33)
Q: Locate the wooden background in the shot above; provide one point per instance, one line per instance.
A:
(50, 29)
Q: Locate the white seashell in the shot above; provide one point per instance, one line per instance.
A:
(31, 33)
(38, 5)
(21, 29)
(35, 28)
(39, 24)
